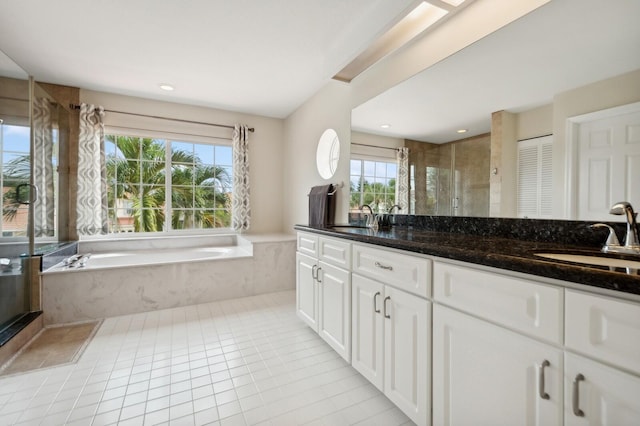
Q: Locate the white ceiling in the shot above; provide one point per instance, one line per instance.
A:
(560, 46)
(262, 57)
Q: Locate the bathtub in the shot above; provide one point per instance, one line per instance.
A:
(153, 251)
(141, 275)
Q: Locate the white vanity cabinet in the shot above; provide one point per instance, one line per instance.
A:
(453, 343)
(603, 390)
(490, 363)
(391, 325)
(323, 289)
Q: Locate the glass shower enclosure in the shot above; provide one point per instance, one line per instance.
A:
(15, 157)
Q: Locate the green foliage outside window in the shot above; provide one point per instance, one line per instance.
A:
(199, 191)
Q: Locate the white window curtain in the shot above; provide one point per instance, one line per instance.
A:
(240, 207)
(402, 183)
(44, 206)
(92, 176)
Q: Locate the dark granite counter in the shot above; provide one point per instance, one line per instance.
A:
(499, 251)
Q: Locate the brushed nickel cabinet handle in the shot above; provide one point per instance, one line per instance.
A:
(318, 275)
(541, 391)
(314, 272)
(385, 307)
(576, 396)
(381, 266)
(375, 303)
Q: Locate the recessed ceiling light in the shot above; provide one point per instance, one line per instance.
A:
(166, 87)
(462, 130)
(385, 126)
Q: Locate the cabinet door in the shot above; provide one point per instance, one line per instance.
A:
(486, 375)
(367, 329)
(334, 298)
(306, 291)
(406, 358)
(605, 395)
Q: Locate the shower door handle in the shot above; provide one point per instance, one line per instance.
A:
(35, 193)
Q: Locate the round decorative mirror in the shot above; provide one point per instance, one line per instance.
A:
(328, 153)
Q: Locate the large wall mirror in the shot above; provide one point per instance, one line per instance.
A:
(464, 118)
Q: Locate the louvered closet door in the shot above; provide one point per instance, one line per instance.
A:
(535, 179)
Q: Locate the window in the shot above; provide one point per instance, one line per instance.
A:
(15, 160)
(373, 182)
(159, 185)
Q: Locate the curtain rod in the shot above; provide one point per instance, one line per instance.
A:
(251, 129)
(373, 146)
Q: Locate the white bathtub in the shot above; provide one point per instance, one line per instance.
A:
(133, 276)
(154, 251)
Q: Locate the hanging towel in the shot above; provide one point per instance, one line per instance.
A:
(321, 206)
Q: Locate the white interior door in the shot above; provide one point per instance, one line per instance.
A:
(608, 162)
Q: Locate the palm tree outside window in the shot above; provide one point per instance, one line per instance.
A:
(157, 185)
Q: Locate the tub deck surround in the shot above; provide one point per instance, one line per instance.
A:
(84, 293)
(502, 249)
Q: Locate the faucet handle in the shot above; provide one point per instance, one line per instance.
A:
(612, 239)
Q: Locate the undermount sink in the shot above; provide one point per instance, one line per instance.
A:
(592, 260)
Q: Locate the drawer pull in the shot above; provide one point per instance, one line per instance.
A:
(381, 266)
(576, 396)
(541, 392)
(385, 307)
(375, 303)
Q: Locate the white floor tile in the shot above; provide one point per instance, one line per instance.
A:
(238, 362)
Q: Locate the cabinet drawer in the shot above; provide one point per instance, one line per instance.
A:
(335, 252)
(409, 273)
(307, 244)
(525, 306)
(604, 328)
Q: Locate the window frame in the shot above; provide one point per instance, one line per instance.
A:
(167, 138)
(374, 158)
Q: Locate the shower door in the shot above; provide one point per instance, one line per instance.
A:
(15, 179)
(451, 179)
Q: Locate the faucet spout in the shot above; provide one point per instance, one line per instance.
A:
(371, 218)
(625, 208)
(395, 206)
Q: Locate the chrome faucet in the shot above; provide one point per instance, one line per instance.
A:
(624, 208)
(395, 206)
(631, 244)
(372, 221)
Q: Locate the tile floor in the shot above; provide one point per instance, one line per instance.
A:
(245, 361)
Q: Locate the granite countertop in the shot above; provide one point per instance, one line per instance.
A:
(499, 252)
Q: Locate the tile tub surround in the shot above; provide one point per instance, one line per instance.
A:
(507, 244)
(81, 295)
(245, 361)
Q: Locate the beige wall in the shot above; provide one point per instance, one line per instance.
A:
(329, 108)
(377, 141)
(535, 122)
(265, 155)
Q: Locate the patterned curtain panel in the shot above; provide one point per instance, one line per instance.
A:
(44, 206)
(92, 174)
(240, 207)
(402, 184)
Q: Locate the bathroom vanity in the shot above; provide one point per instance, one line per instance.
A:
(469, 329)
